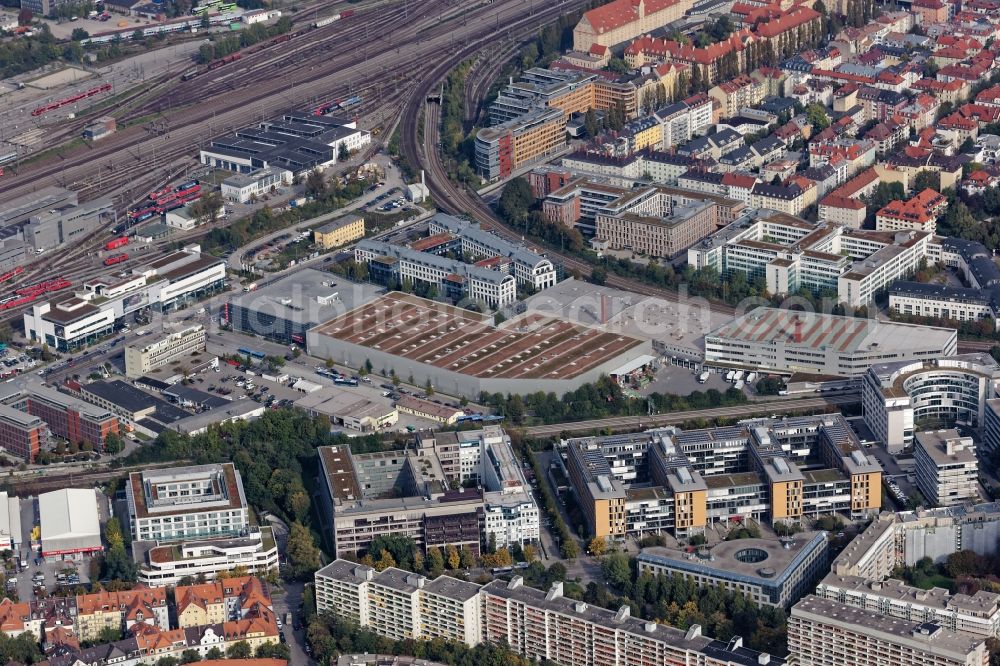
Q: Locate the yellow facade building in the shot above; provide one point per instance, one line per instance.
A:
(339, 232)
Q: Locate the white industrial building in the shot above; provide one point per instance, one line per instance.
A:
(70, 523)
(786, 341)
(10, 522)
(243, 188)
(68, 322)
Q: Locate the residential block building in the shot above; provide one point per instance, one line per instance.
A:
(947, 467)
(681, 482)
(823, 631)
(537, 624)
(407, 492)
(920, 212)
(621, 20)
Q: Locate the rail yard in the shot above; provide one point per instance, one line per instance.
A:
(315, 67)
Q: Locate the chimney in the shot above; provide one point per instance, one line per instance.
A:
(422, 178)
(798, 330)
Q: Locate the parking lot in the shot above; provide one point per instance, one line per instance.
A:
(38, 577)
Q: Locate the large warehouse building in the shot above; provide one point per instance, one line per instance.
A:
(70, 523)
(787, 341)
(462, 353)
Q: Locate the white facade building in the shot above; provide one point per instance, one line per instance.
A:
(142, 356)
(183, 503)
(242, 188)
(947, 467)
(897, 397)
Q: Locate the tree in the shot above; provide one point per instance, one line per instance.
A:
(239, 650)
(214, 653)
(617, 65)
(530, 553)
(190, 656)
(569, 549)
(109, 635)
(435, 561)
(597, 546)
(616, 569)
(303, 555)
(453, 557)
(316, 184)
(515, 201)
(113, 444)
(79, 34)
(590, 122)
(816, 115)
(429, 388)
(385, 561)
(598, 275)
(342, 153)
(466, 559)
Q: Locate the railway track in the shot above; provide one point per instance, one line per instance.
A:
(459, 200)
(421, 43)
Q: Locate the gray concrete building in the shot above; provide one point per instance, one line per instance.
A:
(283, 310)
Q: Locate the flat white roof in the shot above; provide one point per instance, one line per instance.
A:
(69, 520)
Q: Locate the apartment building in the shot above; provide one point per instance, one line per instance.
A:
(143, 356)
(790, 254)
(340, 231)
(527, 266)
(187, 503)
(790, 199)
(399, 604)
(119, 611)
(407, 492)
(681, 482)
(938, 389)
(684, 120)
(844, 205)
(217, 602)
(792, 566)
(392, 264)
(538, 624)
(503, 149)
(826, 632)
(920, 212)
(975, 615)
(739, 93)
(947, 468)
(938, 301)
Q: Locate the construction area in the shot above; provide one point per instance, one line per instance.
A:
(462, 353)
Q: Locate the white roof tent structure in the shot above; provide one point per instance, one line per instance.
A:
(70, 522)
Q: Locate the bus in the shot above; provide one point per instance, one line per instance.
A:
(345, 381)
(251, 353)
(231, 7)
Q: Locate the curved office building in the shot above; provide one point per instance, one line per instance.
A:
(899, 398)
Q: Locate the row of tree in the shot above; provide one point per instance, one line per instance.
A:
(221, 46)
(601, 399)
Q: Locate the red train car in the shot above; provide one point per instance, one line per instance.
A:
(116, 243)
(116, 259)
(11, 274)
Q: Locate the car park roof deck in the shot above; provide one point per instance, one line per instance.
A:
(529, 347)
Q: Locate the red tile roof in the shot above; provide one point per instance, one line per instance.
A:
(618, 13)
(792, 19)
